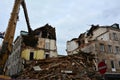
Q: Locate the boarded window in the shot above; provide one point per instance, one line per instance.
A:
(109, 48)
(102, 47)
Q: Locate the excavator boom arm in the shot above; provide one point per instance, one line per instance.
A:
(9, 35)
(26, 16)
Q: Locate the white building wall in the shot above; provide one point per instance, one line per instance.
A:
(72, 45)
(47, 44)
(52, 45)
(89, 48)
(98, 32)
(53, 54)
(53, 48)
(104, 37)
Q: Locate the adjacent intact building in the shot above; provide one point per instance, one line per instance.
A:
(103, 41)
(40, 44)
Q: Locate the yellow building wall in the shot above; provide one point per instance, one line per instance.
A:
(38, 54)
(25, 54)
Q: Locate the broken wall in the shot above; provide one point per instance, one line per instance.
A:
(41, 43)
(72, 45)
(36, 54)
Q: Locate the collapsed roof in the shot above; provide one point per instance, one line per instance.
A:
(46, 31)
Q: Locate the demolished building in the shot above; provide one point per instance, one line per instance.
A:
(39, 44)
(72, 67)
(103, 41)
(43, 40)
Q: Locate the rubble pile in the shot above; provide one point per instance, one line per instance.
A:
(74, 67)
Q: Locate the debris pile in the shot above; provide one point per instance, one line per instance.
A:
(73, 67)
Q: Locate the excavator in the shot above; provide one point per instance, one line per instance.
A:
(9, 34)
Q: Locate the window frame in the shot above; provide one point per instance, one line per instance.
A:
(115, 37)
(112, 64)
(102, 47)
(117, 49)
(110, 50)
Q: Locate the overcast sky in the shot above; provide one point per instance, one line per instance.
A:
(69, 17)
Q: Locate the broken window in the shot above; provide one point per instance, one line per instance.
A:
(31, 55)
(47, 56)
(109, 48)
(102, 47)
(112, 64)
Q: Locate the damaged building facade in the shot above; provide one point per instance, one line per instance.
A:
(14, 63)
(39, 44)
(103, 41)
